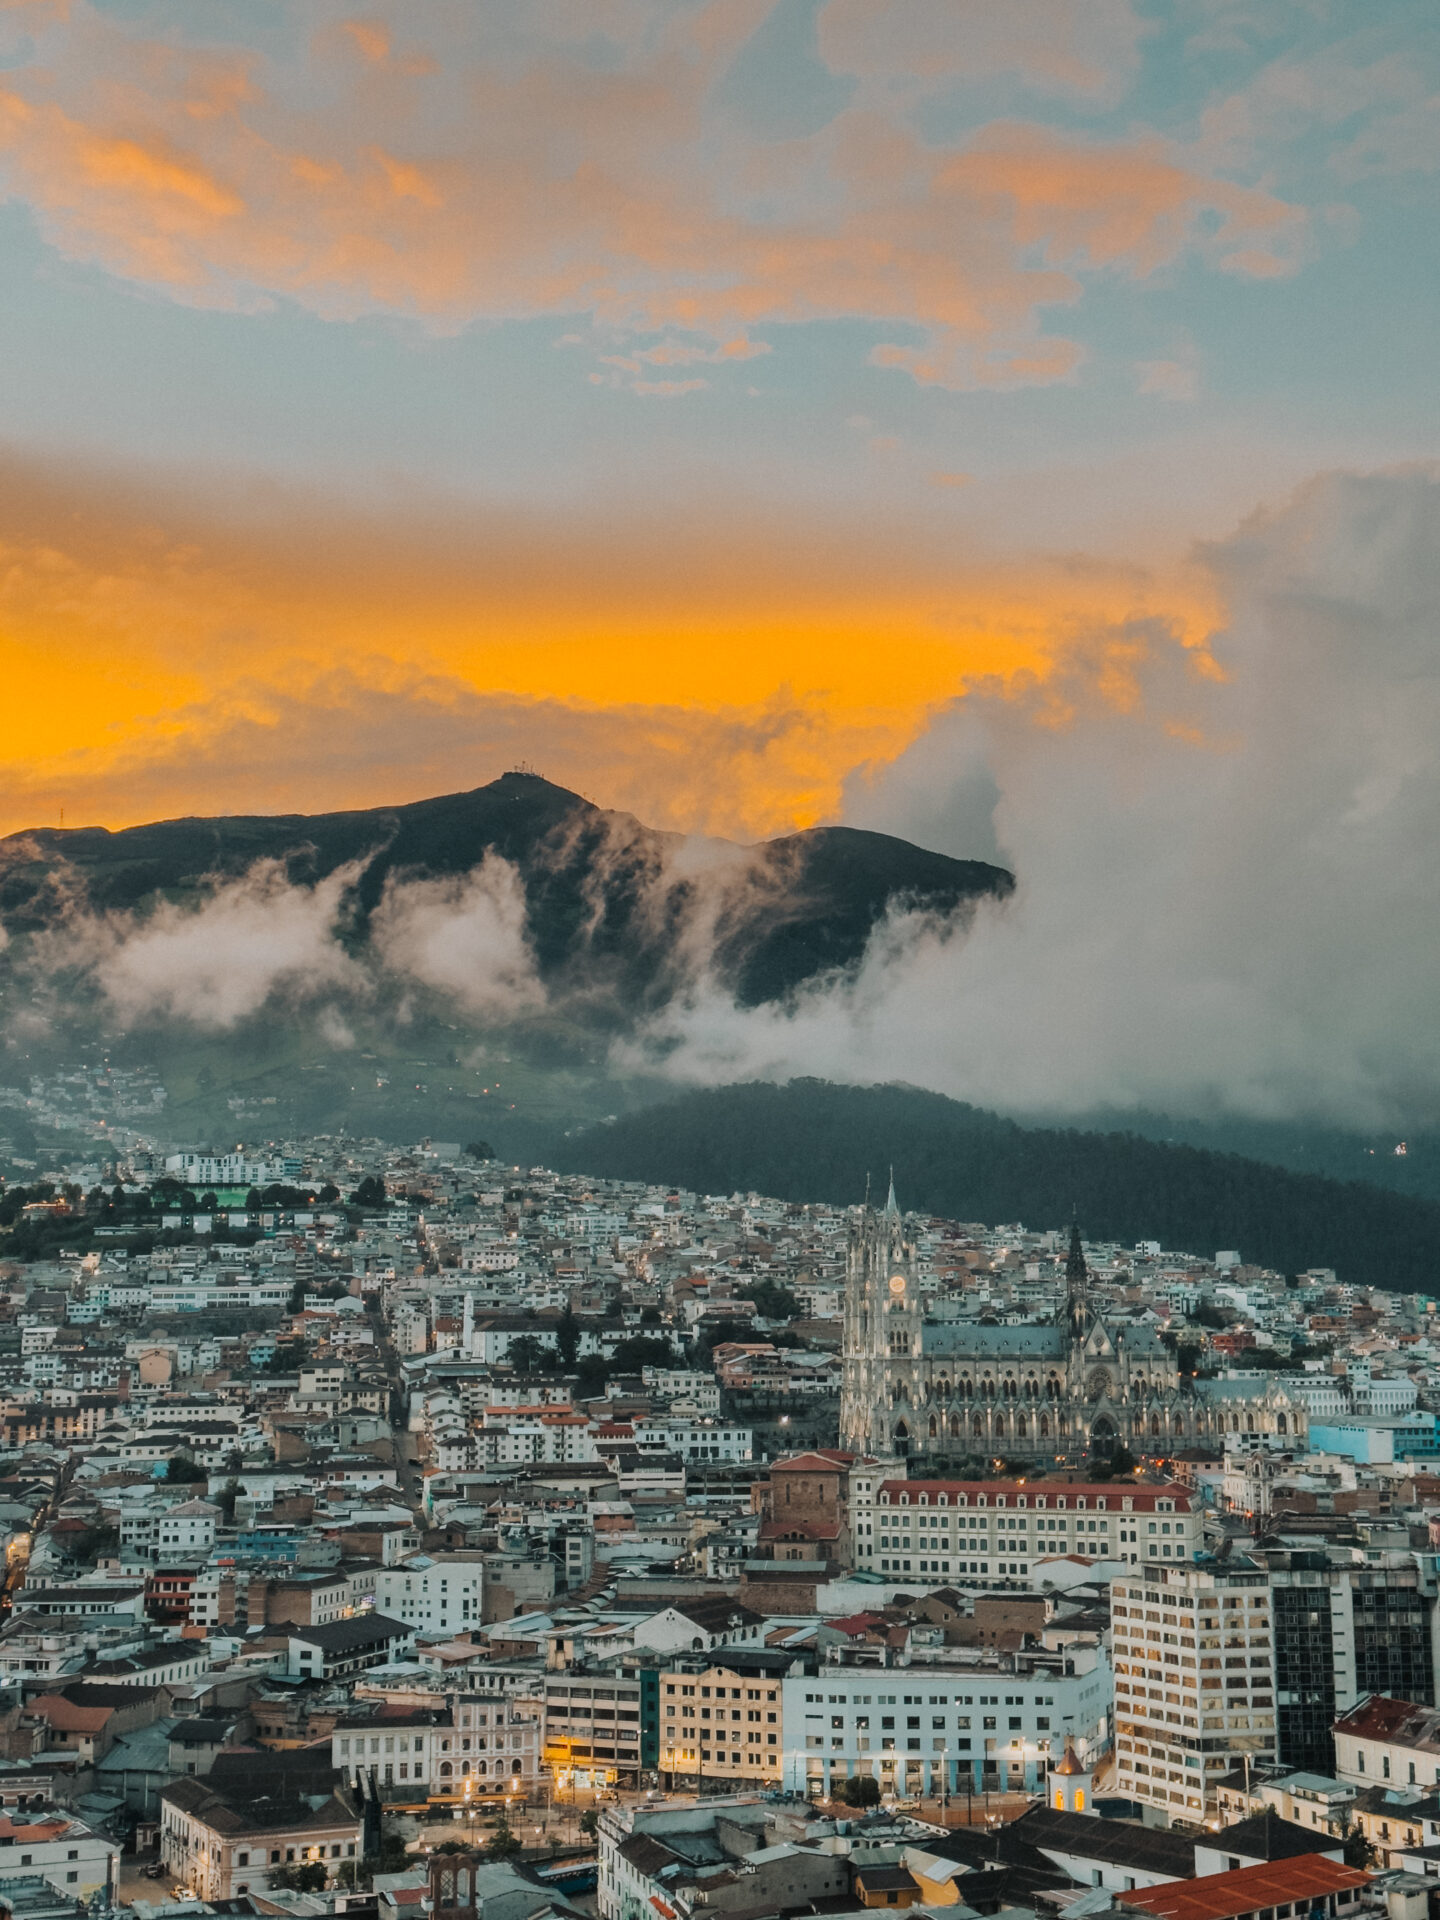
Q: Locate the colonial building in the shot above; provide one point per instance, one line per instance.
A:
(915, 1385)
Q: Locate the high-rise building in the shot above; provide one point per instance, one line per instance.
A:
(1346, 1628)
(1194, 1680)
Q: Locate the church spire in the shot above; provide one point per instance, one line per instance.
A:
(892, 1206)
(1077, 1282)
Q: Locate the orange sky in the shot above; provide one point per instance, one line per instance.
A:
(179, 648)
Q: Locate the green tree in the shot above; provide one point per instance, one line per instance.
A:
(502, 1844)
(227, 1496)
(300, 1876)
(181, 1467)
(480, 1150)
(525, 1353)
(1358, 1851)
(590, 1823)
(567, 1337)
(370, 1192)
(860, 1790)
(774, 1301)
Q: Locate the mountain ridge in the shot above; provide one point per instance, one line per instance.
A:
(603, 892)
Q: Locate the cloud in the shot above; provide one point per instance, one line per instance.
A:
(1227, 880)
(218, 963)
(1085, 48)
(465, 937)
(1168, 379)
(494, 163)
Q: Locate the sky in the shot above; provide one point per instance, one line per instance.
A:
(700, 401)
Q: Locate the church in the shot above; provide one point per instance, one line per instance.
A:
(1073, 1387)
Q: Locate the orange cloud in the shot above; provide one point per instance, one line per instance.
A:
(497, 175)
(184, 646)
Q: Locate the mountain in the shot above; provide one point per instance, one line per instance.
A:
(811, 1140)
(607, 900)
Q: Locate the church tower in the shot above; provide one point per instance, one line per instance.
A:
(1077, 1286)
(883, 1315)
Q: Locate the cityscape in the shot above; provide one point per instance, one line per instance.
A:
(360, 1498)
(719, 875)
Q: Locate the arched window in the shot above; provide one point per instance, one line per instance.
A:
(934, 1427)
(1044, 1428)
(954, 1426)
(445, 1769)
(481, 1766)
(1021, 1430)
(1280, 1426)
(977, 1427)
(1155, 1424)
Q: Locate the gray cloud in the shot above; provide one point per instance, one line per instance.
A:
(1229, 884)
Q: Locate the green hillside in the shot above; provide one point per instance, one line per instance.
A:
(812, 1140)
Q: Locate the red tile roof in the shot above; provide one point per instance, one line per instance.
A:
(1225, 1896)
(827, 1460)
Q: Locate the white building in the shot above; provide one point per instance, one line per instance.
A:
(433, 1592)
(912, 1727)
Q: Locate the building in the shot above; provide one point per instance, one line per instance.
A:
(1345, 1629)
(974, 1532)
(343, 1648)
(473, 1744)
(1310, 1884)
(434, 1592)
(223, 1844)
(927, 1728)
(1388, 1743)
(724, 1720)
(1194, 1681)
(601, 1727)
(919, 1386)
(71, 1857)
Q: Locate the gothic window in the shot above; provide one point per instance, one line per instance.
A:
(1000, 1424)
(978, 1427)
(934, 1426)
(1280, 1426)
(1021, 1429)
(1044, 1428)
(1155, 1423)
(954, 1426)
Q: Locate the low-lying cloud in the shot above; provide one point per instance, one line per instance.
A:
(217, 963)
(1228, 879)
(465, 937)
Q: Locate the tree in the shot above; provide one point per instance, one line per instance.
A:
(860, 1790)
(774, 1301)
(590, 1823)
(526, 1353)
(301, 1876)
(370, 1192)
(591, 1375)
(480, 1150)
(329, 1194)
(1358, 1851)
(567, 1337)
(502, 1844)
(227, 1496)
(180, 1467)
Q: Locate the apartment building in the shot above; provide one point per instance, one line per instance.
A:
(723, 1720)
(601, 1726)
(1194, 1681)
(991, 1726)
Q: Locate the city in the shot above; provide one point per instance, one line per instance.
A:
(359, 1499)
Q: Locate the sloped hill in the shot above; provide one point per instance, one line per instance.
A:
(606, 897)
(811, 1140)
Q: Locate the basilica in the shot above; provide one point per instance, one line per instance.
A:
(1074, 1387)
